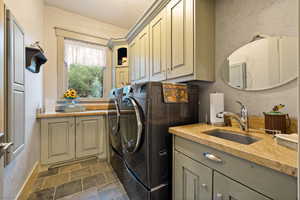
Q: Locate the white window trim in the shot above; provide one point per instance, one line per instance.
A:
(61, 35)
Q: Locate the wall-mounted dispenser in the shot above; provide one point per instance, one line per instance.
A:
(35, 57)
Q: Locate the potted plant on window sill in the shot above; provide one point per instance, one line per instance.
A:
(70, 104)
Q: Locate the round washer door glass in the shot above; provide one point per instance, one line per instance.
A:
(131, 126)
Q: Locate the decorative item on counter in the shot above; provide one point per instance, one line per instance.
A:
(276, 108)
(216, 106)
(70, 105)
(276, 120)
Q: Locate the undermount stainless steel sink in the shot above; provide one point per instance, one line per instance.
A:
(232, 136)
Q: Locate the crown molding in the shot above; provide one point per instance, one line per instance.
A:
(145, 19)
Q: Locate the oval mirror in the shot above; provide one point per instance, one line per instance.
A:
(264, 63)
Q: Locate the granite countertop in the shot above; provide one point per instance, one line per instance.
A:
(73, 114)
(265, 152)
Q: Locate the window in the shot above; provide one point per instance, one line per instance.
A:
(84, 68)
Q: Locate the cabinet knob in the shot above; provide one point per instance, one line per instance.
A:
(218, 196)
(204, 185)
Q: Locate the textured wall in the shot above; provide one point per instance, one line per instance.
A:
(55, 17)
(29, 14)
(237, 21)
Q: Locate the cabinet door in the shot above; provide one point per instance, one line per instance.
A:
(121, 76)
(133, 61)
(192, 180)
(16, 86)
(227, 189)
(180, 38)
(57, 140)
(158, 59)
(143, 55)
(90, 136)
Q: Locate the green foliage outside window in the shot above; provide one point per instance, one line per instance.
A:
(86, 80)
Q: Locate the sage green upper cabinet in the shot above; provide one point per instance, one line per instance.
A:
(180, 41)
(158, 59)
(228, 189)
(190, 40)
(174, 42)
(192, 180)
(142, 52)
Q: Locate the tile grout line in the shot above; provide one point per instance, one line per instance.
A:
(54, 193)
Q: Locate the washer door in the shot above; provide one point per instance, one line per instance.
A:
(131, 125)
(114, 124)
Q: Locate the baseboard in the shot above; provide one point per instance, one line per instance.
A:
(25, 189)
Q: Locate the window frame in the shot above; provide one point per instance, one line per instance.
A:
(61, 35)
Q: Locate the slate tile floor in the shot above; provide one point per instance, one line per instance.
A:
(88, 180)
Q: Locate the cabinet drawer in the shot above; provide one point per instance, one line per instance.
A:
(264, 180)
(225, 188)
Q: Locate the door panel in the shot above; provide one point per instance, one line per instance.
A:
(228, 189)
(16, 86)
(133, 60)
(143, 55)
(177, 29)
(121, 76)
(18, 122)
(158, 47)
(192, 180)
(18, 49)
(58, 140)
(89, 136)
(180, 41)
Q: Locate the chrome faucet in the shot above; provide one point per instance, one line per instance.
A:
(242, 119)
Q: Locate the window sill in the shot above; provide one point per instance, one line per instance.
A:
(88, 101)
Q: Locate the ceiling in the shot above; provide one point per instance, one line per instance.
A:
(122, 13)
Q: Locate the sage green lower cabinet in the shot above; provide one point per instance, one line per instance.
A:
(193, 181)
(57, 140)
(223, 176)
(227, 189)
(69, 138)
(90, 136)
